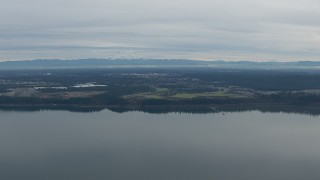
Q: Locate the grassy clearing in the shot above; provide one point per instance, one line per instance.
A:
(144, 96)
(164, 93)
(159, 90)
(160, 93)
(204, 94)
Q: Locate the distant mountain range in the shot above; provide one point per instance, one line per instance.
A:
(174, 63)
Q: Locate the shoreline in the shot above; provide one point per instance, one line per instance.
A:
(287, 108)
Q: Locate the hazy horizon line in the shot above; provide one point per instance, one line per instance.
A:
(175, 59)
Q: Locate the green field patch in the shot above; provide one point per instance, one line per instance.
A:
(143, 96)
(204, 94)
(164, 93)
(159, 90)
(159, 93)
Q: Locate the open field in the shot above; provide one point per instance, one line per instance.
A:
(167, 94)
(30, 92)
(159, 93)
(207, 95)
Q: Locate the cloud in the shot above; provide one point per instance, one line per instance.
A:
(202, 29)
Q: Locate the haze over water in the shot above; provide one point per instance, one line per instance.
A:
(62, 145)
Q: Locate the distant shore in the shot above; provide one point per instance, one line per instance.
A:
(285, 108)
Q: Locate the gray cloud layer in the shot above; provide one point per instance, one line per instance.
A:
(193, 29)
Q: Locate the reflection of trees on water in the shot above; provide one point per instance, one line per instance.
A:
(306, 110)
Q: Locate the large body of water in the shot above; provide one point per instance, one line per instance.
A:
(61, 145)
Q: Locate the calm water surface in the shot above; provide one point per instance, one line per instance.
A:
(61, 145)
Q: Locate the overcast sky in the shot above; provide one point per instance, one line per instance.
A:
(283, 30)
